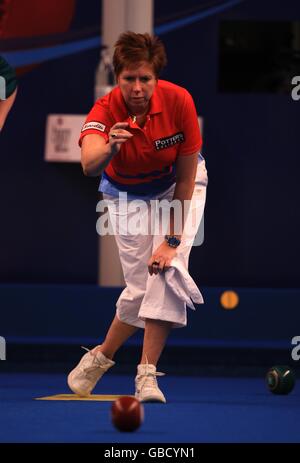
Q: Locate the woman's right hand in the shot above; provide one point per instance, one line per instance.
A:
(117, 136)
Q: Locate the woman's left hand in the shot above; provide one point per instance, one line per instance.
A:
(161, 258)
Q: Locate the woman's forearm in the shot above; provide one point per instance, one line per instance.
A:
(183, 193)
(95, 160)
(5, 107)
(96, 154)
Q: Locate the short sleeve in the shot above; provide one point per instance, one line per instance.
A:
(8, 74)
(190, 127)
(97, 122)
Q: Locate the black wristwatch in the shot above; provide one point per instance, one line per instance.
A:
(172, 241)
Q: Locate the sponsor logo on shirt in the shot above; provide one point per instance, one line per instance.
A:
(93, 126)
(166, 142)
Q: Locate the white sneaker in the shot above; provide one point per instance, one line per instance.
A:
(146, 387)
(84, 377)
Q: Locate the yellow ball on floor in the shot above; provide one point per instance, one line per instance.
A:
(229, 300)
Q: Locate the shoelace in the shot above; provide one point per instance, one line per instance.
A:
(96, 362)
(149, 378)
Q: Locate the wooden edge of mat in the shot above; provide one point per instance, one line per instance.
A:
(95, 397)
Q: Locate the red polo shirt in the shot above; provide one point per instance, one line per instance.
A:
(146, 161)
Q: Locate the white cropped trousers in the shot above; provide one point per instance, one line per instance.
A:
(164, 296)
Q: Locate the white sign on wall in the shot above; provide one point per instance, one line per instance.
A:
(62, 135)
(200, 120)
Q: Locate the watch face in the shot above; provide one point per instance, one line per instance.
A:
(173, 241)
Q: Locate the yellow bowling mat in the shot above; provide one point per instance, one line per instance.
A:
(96, 397)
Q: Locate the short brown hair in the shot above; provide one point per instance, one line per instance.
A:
(132, 48)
